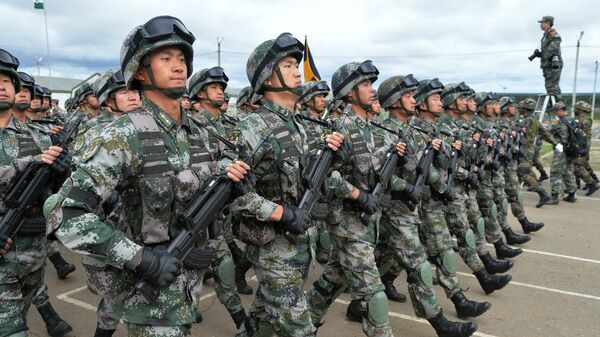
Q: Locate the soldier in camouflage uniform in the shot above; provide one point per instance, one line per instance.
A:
(486, 189)
(513, 129)
(242, 104)
(279, 240)
(313, 106)
(36, 103)
(583, 169)
(207, 86)
(154, 157)
(23, 255)
(550, 58)
(434, 229)
(562, 171)
(186, 104)
(531, 126)
(398, 220)
(88, 105)
(351, 261)
(475, 143)
(454, 103)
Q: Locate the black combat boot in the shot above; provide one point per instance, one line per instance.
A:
(570, 197)
(63, 268)
(199, 317)
(503, 251)
(103, 332)
(545, 199)
(543, 176)
(446, 328)
(513, 238)
(55, 325)
(354, 311)
(591, 187)
(494, 266)
(529, 227)
(578, 183)
(595, 177)
(553, 200)
(390, 290)
(491, 283)
(467, 308)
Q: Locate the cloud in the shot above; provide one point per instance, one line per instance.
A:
(483, 43)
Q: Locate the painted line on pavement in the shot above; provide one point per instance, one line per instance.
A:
(65, 297)
(578, 197)
(553, 290)
(569, 257)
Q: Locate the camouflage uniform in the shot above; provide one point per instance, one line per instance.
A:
(562, 169)
(550, 47)
(583, 169)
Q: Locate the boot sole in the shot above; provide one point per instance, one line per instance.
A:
(62, 332)
(489, 291)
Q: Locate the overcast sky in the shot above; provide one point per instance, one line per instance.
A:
(485, 43)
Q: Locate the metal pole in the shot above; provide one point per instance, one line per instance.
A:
(219, 50)
(575, 80)
(47, 45)
(594, 94)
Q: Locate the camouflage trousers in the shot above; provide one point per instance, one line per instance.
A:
(488, 208)
(500, 197)
(106, 317)
(476, 222)
(352, 264)
(581, 171)
(438, 243)
(537, 163)
(223, 269)
(141, 330)
(526, 175)
(458, 223)
(323, 242)
(551, 80)
(405, 251)
(562, 172)
(281, 268)
(21, 277)
(512, 189)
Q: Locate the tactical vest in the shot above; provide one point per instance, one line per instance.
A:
(361, 157)
(159, 193)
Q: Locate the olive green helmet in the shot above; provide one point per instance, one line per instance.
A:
(244, 97)
(26, 81)
(107, 83)
(453, 91)
(9, 65)
(312, 89)
(427, 88)
(346, 77)
(83, 91)
(505, 102)
(583, 106)
(392, 89)
(483, 98)
(528, 104)
(207, 76)
(265, 56)
(158, 32)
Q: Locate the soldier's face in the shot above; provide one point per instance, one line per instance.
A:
(434, 102)
(288, 67)
(7, 89)
(223, 108)
(36, 103)
(376, 107)
(213, 92)
(24, 96)
(511, 110)
(461, 103)
(185, 103)
(472, 105)
(196, 106)
(366, 94)
(561, 113)
(168, 67)
(126, 100)
(544, 25)
(46, 103)
(319, 103)
(408, 101)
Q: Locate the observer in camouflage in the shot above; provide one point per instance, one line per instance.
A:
(551, 59)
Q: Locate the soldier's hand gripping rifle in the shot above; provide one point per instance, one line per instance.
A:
(481, 162)
(423, 168)
(452, 170)
(384, 176)
(28, 187)
(198, 214)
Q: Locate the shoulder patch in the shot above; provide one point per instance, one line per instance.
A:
(92, 148)
(234, 136)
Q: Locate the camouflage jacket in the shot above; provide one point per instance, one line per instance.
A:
(92, 130)
(584, 122)
(560, 130)
(460, 131)
(550, 46)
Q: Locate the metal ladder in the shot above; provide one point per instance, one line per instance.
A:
(543, 103)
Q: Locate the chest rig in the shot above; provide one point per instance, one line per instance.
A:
(160, 191)
(361, 171)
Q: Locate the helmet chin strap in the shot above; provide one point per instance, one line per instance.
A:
(22, 106)
(214, 103)
(284, 87)
(408, 112)
(356, 101)
(173, 93)
(6, 105)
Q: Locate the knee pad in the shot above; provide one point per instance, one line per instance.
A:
(520, 197)
(481, 226)
(325, 241)
(226, 271)
(504, 205)
(470, 238)
(494, 211)
(377, 308)
(449, 262)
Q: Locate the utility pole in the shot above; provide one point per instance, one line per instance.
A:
(594, 94)
(38, 61)
(219, 40)
(575, 80)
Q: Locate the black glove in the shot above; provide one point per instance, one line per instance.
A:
(449, 194)
(62, 163)
(473, 180)
(58, 137)
(367, 202)
(294, 219)
(245, 185)
(412, 193)
(495, 165)
(158, 267)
